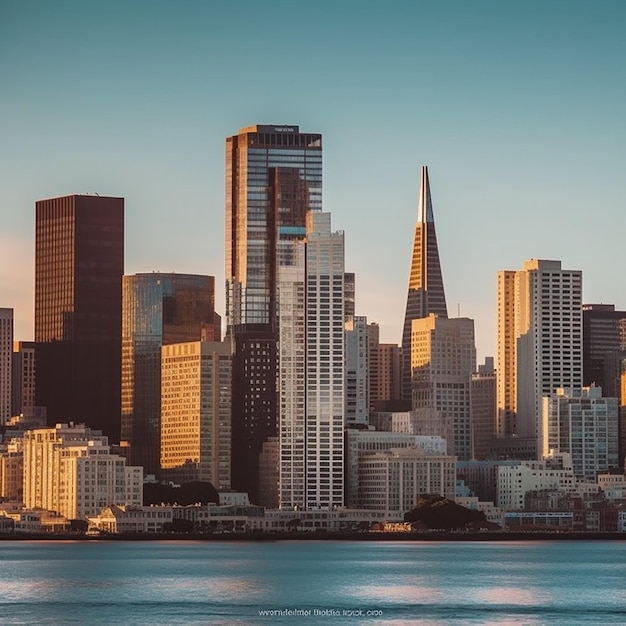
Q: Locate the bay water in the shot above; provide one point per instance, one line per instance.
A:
(312, 582)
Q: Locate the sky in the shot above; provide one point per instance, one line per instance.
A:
(517, 108)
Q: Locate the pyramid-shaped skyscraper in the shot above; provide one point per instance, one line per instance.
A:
(426, 294)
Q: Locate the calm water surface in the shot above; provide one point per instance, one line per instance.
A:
(321, 582)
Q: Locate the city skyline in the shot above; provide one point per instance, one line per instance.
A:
(516, 111)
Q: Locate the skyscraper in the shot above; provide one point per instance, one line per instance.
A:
(312, 370)
(273, 179)
(158, 309)
(79, 262)
(426, 293)
(6, 354)
(539, 342)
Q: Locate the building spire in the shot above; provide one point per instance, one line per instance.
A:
(426, 294)
(424, 203)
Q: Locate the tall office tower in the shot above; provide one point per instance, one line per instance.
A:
(6, 354)
(311, 366)
(539, 342)
(602, 334)
(79, 262)
(483, 409)
(70, 469)
(273, 178)
(357, 370)
(325, 379)
(157, 310)
(426, 294)
(584, 424)
(443, 358)
(195, 412)
(23, 378)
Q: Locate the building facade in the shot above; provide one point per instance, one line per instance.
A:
(6, 354)
(603, 329)
(583, 424)
(157, 310)
(312, 370)
(539, 342)
(393, 480)
(443, 358)
(357, 371)
(70, 469)
(23, 378)
(79, 263)
(273, 179)
(360, 442)
(483, 409)
(196, 412)
(426, 293)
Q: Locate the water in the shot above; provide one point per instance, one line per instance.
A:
(320, 582)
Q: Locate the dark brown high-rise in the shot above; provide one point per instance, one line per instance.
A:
(79, 263)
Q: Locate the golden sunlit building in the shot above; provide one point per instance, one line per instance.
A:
(443, 359)
(539, 342)
(196, 412)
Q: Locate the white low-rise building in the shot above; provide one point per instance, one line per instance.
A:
(69, 469)
(514, 481)
(393, 480)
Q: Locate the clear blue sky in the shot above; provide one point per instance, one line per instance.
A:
(518, 109)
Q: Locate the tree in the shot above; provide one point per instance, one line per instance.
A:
(439, 513)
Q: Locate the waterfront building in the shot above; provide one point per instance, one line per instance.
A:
(273, 179)
(426, 293)
(393, 480)
(70, 469)
(515, 480)
(357, 371)
(583, 424)
(269, 473)
(196, 412)
(157, 309)
(23, 378)
(79, 263)
(12, 471)
(539, 342)
(6, 353)
(367, 441)
(443, 358)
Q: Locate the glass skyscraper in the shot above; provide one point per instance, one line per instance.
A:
(158, 309)
(273, 178)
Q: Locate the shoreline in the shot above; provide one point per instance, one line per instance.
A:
(500, 536)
